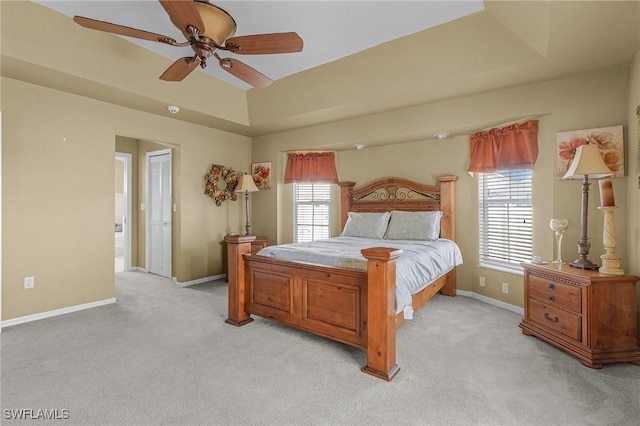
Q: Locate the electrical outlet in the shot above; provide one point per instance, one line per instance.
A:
(505, 288)
(29, 282)
(482, 284)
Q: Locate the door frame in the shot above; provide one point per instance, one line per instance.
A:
(128, 213)
(0, 221)
(147, 219)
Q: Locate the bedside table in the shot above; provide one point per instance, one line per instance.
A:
(585, 313)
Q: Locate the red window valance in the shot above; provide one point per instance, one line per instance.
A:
(513, 147)
(311, 167)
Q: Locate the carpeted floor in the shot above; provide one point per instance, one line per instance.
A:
(164, 356)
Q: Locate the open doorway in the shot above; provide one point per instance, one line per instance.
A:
(122, 212)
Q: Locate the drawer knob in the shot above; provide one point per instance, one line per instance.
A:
(554, 319)
(550, 298)
(551, 286)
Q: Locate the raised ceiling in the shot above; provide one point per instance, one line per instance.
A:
(331, 30)
(506, 44)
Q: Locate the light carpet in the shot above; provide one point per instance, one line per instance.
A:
(163, 355)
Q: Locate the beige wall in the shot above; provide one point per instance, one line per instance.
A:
(58, 203)
(633, 188)
(401, 143)
(65, 238)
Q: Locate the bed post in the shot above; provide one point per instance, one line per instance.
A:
(448, 206)
(381, 312)
(345, 201)
(237, 246)
(448, 224)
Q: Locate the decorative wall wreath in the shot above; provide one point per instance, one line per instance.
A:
(220, 183)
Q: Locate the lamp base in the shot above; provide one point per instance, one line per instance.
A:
(611, 265)
(584, 264)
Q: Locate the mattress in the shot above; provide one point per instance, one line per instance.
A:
(420, 263)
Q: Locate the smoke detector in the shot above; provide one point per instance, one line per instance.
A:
(173, 109)
(441, 135)
(359, 146)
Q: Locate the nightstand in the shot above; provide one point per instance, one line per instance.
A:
(585, 313)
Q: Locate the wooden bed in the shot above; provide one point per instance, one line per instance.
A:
(352, 306)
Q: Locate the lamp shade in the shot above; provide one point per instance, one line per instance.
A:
(587, 161)
(246, 184)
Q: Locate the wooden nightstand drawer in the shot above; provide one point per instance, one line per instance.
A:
(590, 315)
(556, 319)
(556, 294)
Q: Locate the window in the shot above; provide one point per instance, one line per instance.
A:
(311, 211)
(505, 218)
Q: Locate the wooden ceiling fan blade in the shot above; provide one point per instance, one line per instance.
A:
(261, 44)
(184, 13)
(180, 69)
(244, 72)
(108, 27)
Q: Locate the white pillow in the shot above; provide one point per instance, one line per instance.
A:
(414, 225)
(367, 225)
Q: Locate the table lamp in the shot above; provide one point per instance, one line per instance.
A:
(587, 163)
(246, 185)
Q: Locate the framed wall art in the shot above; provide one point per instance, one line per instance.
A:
(609, 140)
(261, 173)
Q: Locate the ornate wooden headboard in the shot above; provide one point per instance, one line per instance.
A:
(402, 194)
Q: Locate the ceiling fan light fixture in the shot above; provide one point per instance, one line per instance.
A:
(173, 109)
(441, 135)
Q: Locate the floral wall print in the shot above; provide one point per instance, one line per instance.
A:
(609, 141)
(261, 175)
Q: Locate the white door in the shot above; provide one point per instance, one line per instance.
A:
(159, 213)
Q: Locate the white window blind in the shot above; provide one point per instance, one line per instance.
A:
(505, 218)
(312, 211)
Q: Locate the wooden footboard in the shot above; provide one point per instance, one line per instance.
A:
(347, 305)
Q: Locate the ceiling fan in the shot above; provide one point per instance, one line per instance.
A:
(207, 28)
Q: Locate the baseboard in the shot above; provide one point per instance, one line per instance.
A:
(56, 312)
(200, 280)
(490, 301)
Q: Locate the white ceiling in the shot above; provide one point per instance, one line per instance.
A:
(330, 29)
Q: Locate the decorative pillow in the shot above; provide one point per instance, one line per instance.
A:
(367, 225)
(414, 225)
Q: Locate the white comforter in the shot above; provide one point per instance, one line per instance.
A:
(420, 264)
